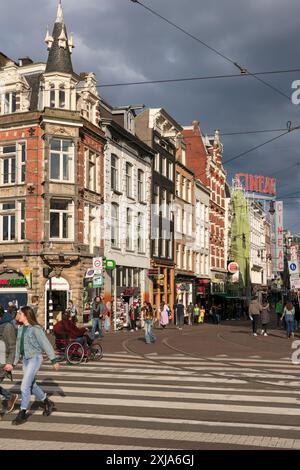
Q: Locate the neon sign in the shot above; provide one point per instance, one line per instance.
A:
(256, 183)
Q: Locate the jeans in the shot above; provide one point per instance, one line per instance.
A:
(149, 336)
(289, 320)
(5, 393)
(255, 323)
(180, 319)
(97, 323)
(29, 386)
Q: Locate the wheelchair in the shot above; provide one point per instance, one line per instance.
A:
(75, 353)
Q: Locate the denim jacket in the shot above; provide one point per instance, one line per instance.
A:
(35, 343)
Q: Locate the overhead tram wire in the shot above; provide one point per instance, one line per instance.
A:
(288, 131)
(243, 70)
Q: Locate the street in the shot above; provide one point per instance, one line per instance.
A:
(203, 387)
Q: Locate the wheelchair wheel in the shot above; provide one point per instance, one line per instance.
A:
(75, 353)
(97, 352)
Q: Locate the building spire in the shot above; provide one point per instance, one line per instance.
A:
(59, 46)
(60, 13)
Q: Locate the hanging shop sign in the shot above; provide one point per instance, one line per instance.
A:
(233, 267)
(256, 183)
(110, 264)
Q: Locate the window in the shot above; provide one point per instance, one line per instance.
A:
(171, 166)
(189, 189)
(156, 162)
(128, 180)
(62, 160)
(62, 97)
(129, 229)
(115, 232)
(8, 221)
(8, 103)
(114, 173)
(22, 220)
(178, 255)
(61, 219)
(141, 233)
(52, 96)
(164, 166)
(92, 164)
(13, 164)
(178, 184)
(141, 186)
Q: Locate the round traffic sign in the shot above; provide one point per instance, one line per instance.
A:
(293, 267)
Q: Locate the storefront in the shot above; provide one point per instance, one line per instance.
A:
(13, 288)
(202, 291)
(163, 287)
(60, 290)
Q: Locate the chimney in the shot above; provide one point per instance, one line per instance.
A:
(25, 61)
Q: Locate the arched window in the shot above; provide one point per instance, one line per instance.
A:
(62, 96)
(52, 96)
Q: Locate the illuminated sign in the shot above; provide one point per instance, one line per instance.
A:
(233, 267)
(13, 282)
(256, 183)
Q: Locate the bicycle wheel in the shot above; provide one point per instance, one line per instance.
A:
(75, 353)
(97, 352)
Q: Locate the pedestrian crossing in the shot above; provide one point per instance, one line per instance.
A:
(149, 402)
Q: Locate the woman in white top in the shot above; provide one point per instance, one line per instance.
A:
(289, 315)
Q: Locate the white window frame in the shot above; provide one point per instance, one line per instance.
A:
(141, 245)
(69, 155)
(157, 162)
(9, 213)
(129, 229)
(70, 220)
(141, 185)
(19, 157)
(8, 102)
(129, 179)
(115, 226)
(91, 170)
(114, 181)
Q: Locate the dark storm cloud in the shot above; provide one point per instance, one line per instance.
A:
(121, 41)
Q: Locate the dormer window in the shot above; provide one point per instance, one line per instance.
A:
(8, 102)
(52, 96)
(57, 96)
(62, 97)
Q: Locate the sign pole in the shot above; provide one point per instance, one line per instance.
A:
(115, 300)
(50, 307)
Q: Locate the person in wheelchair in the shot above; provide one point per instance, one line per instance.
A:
(65, 329)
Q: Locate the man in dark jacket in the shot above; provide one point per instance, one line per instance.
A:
(7, 355)
(179, 310)
(65, 329)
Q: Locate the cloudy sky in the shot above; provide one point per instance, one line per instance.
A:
(122, 42)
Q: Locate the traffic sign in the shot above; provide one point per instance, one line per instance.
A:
(293, 267)
(98, 263)
(98, 281)
(110, 264)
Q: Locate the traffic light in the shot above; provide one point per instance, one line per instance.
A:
(46, 272)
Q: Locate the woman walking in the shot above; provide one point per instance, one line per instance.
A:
(164, 315)
(265, 317)
(31, 344)
(289, 316)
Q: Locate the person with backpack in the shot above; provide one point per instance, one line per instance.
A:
(8, 337)
(32, 342)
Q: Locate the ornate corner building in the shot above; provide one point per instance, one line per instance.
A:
(51, 175)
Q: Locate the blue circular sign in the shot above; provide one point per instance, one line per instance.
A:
(293, 267)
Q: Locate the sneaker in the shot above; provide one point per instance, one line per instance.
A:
(262, 332)
(20, 419)
(265, 334)
(11, 403)
(254, 334)
(48, 406)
